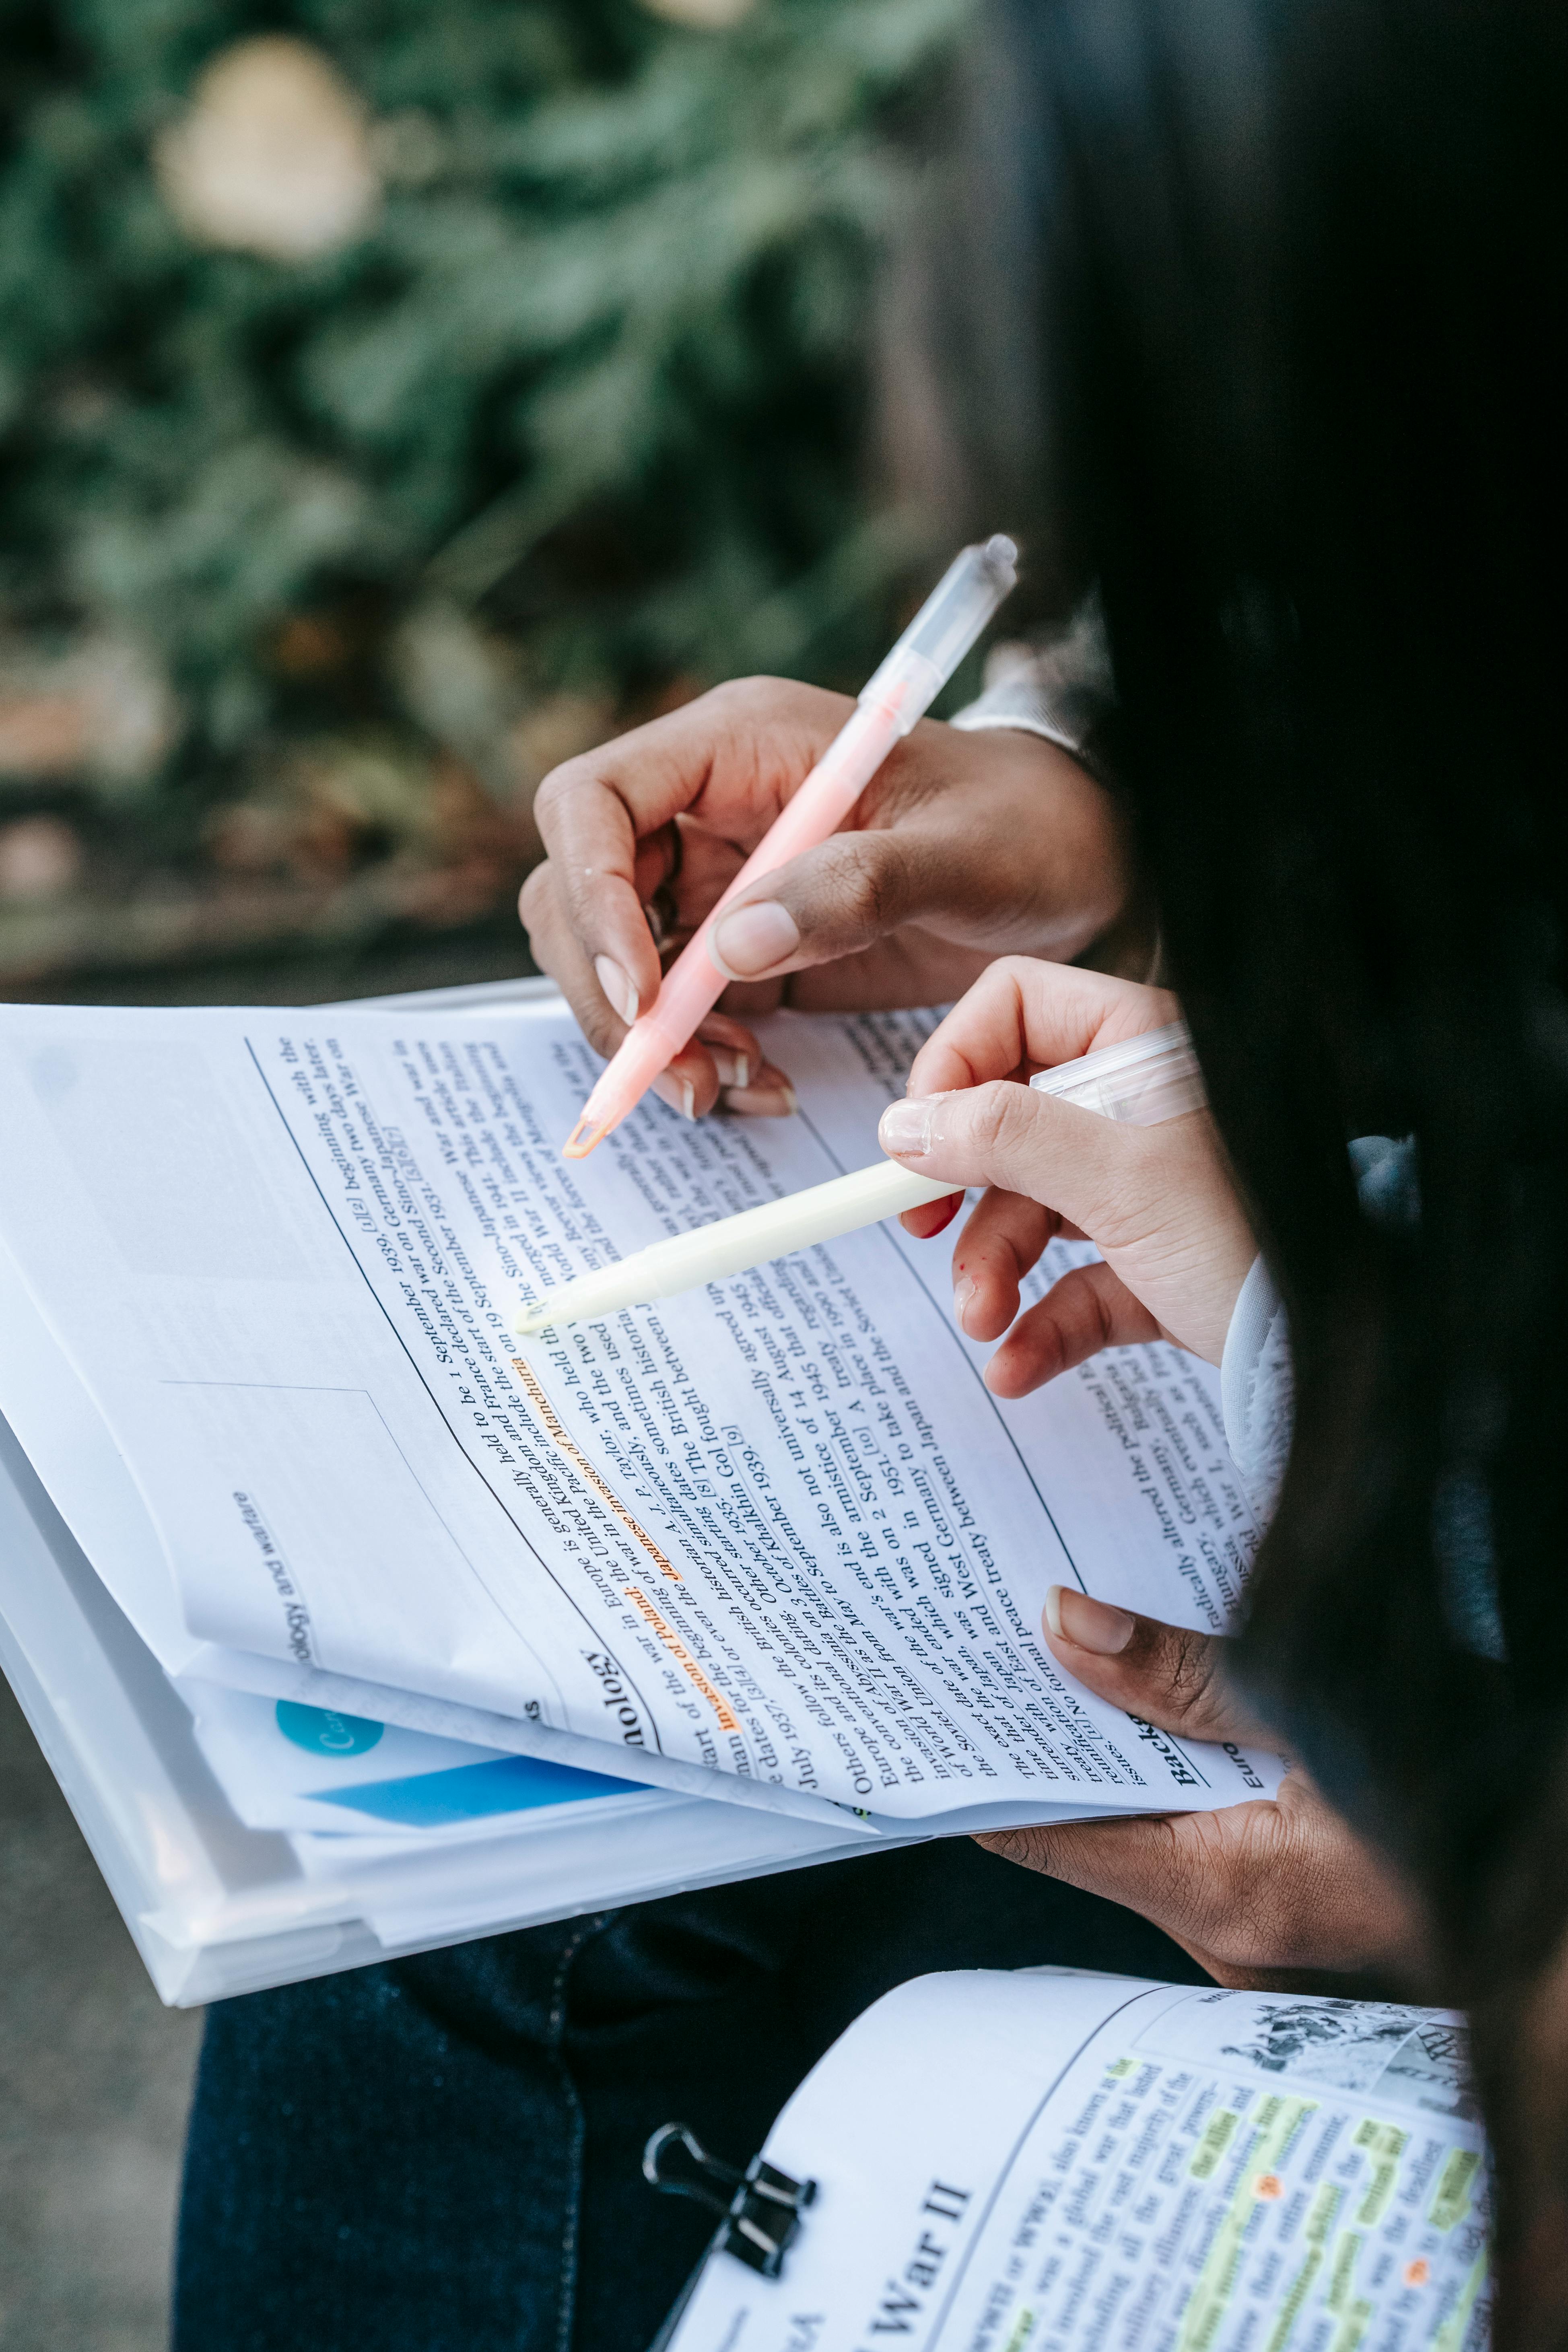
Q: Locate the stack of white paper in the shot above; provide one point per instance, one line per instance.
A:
(423, 1585)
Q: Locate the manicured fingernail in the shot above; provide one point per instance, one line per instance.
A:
(678, 1093)
(1092, 1624)
(754, 938)
(734, 1069)
(963, 1291)
(616, 984)
(773, 1097)
(1054, 1611)
(904, 1128)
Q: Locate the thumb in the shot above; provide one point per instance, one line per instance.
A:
(1167, 1674)
(831, 901)
(1005, 1135)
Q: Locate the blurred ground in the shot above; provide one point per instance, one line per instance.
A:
(95, 2075)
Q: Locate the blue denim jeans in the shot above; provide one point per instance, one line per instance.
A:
(443, 2153)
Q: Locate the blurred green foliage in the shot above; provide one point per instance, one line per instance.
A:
(589, 383)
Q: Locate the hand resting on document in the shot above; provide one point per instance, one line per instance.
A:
(1257, 1893)
(962, 847)
(1260, 1895)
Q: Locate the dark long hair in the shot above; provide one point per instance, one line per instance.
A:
(1304, 385)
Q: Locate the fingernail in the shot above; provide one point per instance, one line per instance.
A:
(1092, 1624)
(678, 1093)
(718, 1029)
(754, 938)
(772, 1097)
(1054, 1611)
(963, 1291)
(616, 984)
(904, 1128)
(734, 1069)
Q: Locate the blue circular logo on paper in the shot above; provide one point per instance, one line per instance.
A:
(324, 1732)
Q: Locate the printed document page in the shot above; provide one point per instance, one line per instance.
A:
(773, 1539)
(1012, 2163)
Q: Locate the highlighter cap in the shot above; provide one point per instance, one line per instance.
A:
(1141, 1081)
(947, 623)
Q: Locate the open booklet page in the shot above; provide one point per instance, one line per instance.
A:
(1013, 2163)
(773, 1540)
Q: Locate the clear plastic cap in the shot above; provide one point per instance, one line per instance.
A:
(1142, 1081)
(958, 608)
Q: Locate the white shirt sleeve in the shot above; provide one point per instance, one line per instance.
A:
(1258, 1388)
(1257, 1374)
(1058, 690)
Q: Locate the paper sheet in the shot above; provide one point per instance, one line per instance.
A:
(1012, 2163)
(70, 1445)
(284, 1766)
(775, 1540)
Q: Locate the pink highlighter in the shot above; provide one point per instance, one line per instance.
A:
(901, 691)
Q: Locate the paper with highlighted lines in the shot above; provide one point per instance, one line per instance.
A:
(773, 1540)
(1047, 2160)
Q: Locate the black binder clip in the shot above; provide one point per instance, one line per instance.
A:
(759, 2207)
